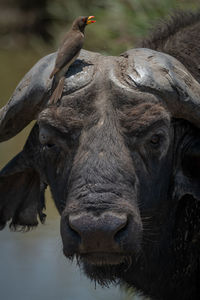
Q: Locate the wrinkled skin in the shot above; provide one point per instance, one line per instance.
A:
(120, 153)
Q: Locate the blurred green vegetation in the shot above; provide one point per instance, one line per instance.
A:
(40, 24)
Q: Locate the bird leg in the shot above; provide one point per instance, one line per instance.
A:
(60, 86)
(57, 93)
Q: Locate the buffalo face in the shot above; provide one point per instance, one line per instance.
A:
(108, 177)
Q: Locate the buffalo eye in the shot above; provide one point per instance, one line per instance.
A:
(49, 145)
(155, 140)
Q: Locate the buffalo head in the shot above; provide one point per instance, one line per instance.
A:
(120, 153)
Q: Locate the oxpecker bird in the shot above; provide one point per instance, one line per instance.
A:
(67, 54)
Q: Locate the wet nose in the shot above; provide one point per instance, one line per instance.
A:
(98, 233)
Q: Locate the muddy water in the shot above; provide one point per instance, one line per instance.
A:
(32, 265)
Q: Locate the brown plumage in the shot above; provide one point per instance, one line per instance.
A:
(67, 54)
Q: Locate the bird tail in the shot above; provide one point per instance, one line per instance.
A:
(57, 93)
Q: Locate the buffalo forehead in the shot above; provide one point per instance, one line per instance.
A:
(116, 80)
(121, 79)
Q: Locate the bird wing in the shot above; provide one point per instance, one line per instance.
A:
(70, 47)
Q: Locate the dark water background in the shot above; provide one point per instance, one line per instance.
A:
(32, 265)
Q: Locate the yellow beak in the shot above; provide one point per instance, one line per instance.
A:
(89, 21)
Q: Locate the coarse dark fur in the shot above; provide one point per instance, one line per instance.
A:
(178, 36)
(123, 171)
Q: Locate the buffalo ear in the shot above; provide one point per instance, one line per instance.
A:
(21, 196)
(188, 176)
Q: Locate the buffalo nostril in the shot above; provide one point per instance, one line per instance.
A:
(71, 239)
(73, 232)
(73, 228)
(121, 232)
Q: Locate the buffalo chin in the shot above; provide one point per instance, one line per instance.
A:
(102, 271)
(103, 268)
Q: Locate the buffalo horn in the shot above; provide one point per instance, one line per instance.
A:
(167, 78)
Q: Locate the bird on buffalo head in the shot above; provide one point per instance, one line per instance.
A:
(67, 54)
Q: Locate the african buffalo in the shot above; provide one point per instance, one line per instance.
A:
(121, 154)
